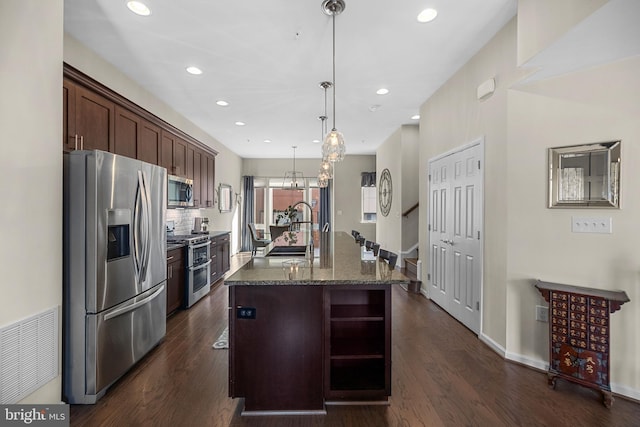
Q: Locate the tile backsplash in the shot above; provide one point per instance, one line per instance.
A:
(183, 219)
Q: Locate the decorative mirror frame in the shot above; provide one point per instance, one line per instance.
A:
(225, 198)
(585, 176)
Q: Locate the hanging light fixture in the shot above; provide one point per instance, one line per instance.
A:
(293, 179)
(333, 148)
(326, 167)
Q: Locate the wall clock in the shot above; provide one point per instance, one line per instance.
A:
(385, 192)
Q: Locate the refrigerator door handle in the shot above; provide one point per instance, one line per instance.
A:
(137, 238)
(146, 222)
(130, 308)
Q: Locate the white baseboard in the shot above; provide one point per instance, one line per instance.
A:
(542, 365)
(493, 345)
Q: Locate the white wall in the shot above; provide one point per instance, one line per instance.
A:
(574, 109)
(31, 123)
(389, 228)
(525, 240)
(410, 185)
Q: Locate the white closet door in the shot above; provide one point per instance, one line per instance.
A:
(455, 225)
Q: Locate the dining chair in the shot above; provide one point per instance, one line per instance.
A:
(376, 248)
(355, 233)
(256, 242)
(389, 257)
(276, 231)
(360, 240)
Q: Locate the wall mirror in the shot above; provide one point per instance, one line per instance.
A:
(225, 197)
(585, 175)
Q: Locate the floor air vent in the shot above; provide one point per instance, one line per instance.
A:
(28, 355)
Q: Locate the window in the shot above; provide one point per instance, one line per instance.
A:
(369, 204)
(272, 199)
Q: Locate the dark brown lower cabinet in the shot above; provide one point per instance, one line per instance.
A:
(295, 348)
(220, 256)
(175, 279)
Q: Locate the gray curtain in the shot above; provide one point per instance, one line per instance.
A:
(368, 179)
(247, 212)
(325, 207)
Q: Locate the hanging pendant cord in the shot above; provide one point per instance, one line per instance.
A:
(334, 68)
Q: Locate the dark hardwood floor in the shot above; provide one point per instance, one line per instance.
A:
(442, 375)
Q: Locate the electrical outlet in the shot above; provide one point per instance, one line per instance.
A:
(542, 313)
(245, 312)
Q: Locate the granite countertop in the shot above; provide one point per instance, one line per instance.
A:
(338, 260)
(216, 233)
(172, 246)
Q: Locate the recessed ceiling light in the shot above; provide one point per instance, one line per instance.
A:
(266, 141)
(194, 70)
(138, 8)
(382, 91)
(415, 117)
(240, 123)
(374, 107)
(316, 141)
(427, 15)
(222, 103)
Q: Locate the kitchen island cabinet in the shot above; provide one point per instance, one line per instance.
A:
(305, 333)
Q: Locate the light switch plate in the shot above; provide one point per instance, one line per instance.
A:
(581, 224)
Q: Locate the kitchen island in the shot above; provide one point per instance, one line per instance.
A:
(314, 330)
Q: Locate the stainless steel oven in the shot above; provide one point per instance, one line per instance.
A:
(197, 267)
(198, 270)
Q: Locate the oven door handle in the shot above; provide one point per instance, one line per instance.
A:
(201, 245)
(199, 266)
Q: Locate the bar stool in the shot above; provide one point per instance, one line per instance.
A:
(389, 257)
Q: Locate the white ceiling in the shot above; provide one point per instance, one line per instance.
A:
(267, 59)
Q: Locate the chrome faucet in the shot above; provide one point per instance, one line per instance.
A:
(302, 202)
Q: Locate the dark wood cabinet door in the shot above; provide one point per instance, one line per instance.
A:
(197, 179)
(149, 143)
(206, 202)
(210, 180)
(189, 161)
(215, 264)
(166, 152)
(68, 115)
(95, 120)
(180, 157)
(127, 129)
(175, 280)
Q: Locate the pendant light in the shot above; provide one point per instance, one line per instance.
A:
(326, 167)
(333, 148)
(293, 180)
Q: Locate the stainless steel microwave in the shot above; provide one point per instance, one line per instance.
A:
(179, 192)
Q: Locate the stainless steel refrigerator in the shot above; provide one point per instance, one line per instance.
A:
(115, 266)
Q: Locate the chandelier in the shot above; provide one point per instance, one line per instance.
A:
(293, 179)
(333, 148)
